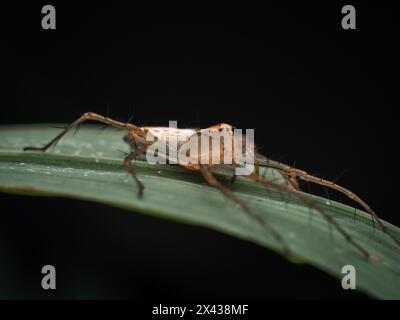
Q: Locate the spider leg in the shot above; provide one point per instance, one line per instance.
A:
(311, 203)
(212, 181)
(128, 165)
(86, 116)
(307, 177)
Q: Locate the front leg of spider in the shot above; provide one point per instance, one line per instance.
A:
(212, 181)
(312, 204)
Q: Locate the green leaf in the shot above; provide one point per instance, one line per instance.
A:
(89, 166)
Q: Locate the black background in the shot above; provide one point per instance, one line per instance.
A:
(317, 96)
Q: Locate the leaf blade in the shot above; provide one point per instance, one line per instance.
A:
(89, 166)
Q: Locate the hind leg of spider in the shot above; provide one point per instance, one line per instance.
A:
(212, 181)
(311, 203)
(128, 165)
(86, 116)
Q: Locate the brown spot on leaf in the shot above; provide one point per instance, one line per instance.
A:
(25, 188)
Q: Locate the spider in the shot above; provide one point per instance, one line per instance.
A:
(138, 139)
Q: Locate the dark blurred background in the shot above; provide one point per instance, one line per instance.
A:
(318, 96)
